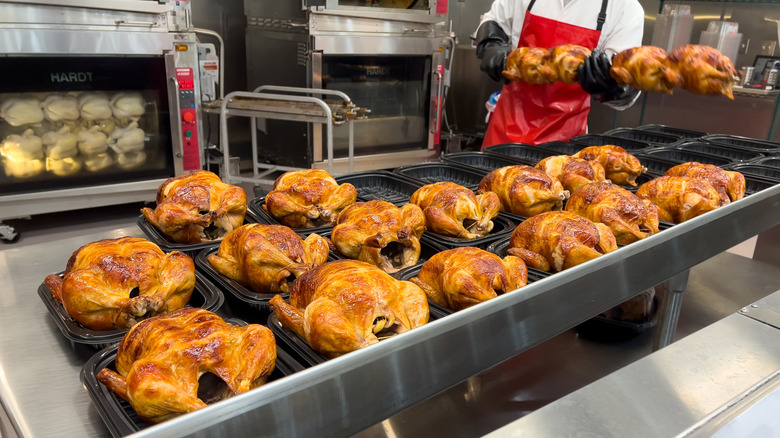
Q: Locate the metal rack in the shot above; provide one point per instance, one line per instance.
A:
(296, 105)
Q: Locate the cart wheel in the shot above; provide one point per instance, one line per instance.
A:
(8, 234)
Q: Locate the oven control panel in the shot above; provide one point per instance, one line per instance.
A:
(188, 118)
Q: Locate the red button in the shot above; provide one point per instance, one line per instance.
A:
(188, 117)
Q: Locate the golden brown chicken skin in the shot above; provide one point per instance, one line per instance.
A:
(704, 70)
(729, 184)
(645, 68)
(629, 217)
(530, 64)
(566, 60)
(620, 167)
(308, 198)
(572, 172)
(342, 306)
(380, 233)
(160, 360)
(114, 283)
(462, 277)
(524, 190)
(558, 240)
(267, 258)
(453, 210)
(197, 207)
(680, 198)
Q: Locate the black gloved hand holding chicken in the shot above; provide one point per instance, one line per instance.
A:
(595, 80)
(492, 49)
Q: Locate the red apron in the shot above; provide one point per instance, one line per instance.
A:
(538, 113)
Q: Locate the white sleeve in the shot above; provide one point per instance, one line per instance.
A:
(502, 12)
(627, 30)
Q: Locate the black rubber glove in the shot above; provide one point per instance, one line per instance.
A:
(492, 49)
(595, 80)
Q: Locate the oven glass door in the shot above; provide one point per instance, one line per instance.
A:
(392, 4)
(396, 89)
(68, 122)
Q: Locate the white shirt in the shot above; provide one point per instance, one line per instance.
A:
(623, 28)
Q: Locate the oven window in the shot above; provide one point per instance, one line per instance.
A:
(68, 122)
(394, 4)
(396, 89)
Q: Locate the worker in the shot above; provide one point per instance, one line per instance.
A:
(534, 113)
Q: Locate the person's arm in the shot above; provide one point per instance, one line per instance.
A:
(493, 38)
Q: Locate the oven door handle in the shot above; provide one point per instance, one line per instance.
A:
(437, 101)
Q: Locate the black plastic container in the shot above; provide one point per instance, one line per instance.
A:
(630, 145)
(429, 173)
(681, 156)
(205, 296)
(658, 138)
(502, 226)
(727, 152)
(601, 328)
(769, 161)
(755, 185)
(120, 418)
(533, 154)
(382, 185)
(758, 170)
(751, 144)
(680, 132)
(256, 207)
(408, 273)
(485, 162)
(191, 249)
(561, 147)
(656, 166)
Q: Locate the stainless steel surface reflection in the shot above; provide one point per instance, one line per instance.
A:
(39, 368)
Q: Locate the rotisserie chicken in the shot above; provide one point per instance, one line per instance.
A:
(524, 190)
(680, 198)
(558, 240)
(380, 233)
(566, 60)
(453, 210)
(729, 184)
(530, 64)
(704, 70)
(114, 283)
(181, 362)
(197, 207)
(462, 277)
(629, 217)
(267, 258)
(645, 68)
(572, 172)
(345, 305)
(620, 166)
(308, 198)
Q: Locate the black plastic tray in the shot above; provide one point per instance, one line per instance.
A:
(120, 418)
(382, 185)
(680, 132)
(191, 249)
(256, 207)
(429, 173)
(485, 162)
(630, 145)
(656, 166)
(533, 154)
(659, 138)
(206, 296)
(757, 170)
(680, 156)
(769, 161)
(755, 185)
(601, 328)
(730, 153)
(407, 274)
(751, 144)
(561, 147)
(502, 226)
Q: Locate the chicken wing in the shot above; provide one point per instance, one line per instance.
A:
(620, 167)
(524, 190)
(308, 198)
(453, 210)
(572, 172)
(645, 68)
(729, 184)
(680, 198)
(704, 70)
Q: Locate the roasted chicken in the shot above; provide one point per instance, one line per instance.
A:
(342, 306)
(267, 258)
(181, 362)
(620, 167)
(645, 68)
(197, 207)
(572, 172)
(380, 233)
(729, 184)
(308, 198)
(704, 70)
(114, 283)
(629, 217)
(680, 198)
(524, 190)
(453, 210)
(461, 277)
(530, 64)
(558, 240)
(566, 60)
